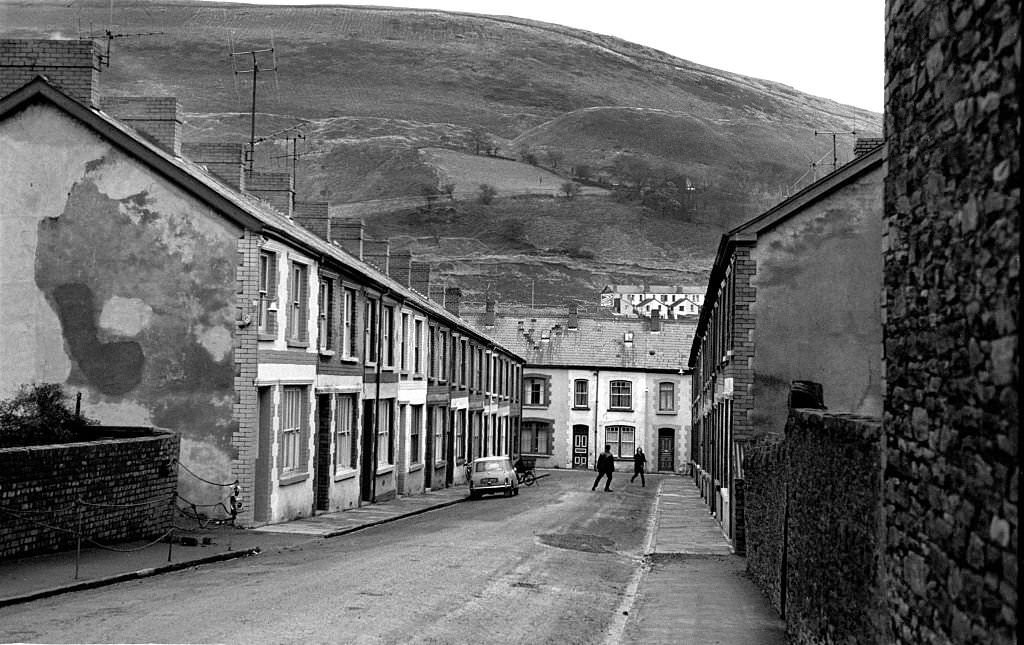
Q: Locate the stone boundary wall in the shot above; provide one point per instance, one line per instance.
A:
(815, 527)
(40, 489)
(952, 306)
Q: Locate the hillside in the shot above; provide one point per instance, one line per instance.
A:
(394, 104)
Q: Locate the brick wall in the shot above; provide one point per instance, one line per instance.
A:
(225, 160)
(952, 199)
(72, 65)
(158, 118)
(314, 217)
(245, 410)
(274, 187)
(814, 529)
(42, 485)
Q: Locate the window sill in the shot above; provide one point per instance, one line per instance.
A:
(581, 407)
(342, 475)
(667, 412)
(298, 344)
(620, 410)
(265, 336)
(415, 467)
(536, 406)
(293, 478)
(384, 469)
(326, 352)
(349, 359)
(440, 463)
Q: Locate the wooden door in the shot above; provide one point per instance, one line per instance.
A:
(580, 446)
(666, 449)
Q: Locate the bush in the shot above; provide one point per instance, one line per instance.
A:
(487, 193)
(40, 414)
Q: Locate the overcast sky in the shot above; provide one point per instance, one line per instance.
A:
(829, 48)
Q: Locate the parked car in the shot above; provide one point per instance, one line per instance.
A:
(492, 475)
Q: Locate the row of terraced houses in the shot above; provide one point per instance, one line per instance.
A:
(176, 288)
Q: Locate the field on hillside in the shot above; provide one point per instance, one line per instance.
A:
(468, 171)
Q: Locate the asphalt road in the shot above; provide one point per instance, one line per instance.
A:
(549, 566)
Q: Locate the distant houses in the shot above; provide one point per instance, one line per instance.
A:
(290, 354)
(643, 301)
(592, 379)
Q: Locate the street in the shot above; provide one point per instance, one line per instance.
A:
(549, 566)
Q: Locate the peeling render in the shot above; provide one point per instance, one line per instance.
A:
(129, 286)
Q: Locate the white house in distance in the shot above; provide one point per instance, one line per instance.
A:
(597, 379)
(641, 301)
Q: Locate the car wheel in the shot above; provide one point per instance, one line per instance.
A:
(515, 491)
(474, 495)
(508, 492)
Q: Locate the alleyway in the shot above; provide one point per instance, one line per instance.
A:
(557, 564)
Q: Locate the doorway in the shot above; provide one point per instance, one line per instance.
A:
(580, 446)
(322, 461)
(368, 470)
(666, 449)
(265, 428)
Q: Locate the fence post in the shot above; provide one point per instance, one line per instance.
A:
(78, 539)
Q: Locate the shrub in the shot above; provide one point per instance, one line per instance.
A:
(487, 193)
(38, 414)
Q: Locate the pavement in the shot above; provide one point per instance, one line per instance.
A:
(690, 588)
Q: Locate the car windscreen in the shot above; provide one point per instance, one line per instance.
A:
(488, 466)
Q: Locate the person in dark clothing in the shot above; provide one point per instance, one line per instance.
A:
(639, 466)
(605, 468)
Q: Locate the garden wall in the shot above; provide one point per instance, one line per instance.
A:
(815, 527)
(123, 487)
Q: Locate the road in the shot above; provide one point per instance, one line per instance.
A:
(549, 566)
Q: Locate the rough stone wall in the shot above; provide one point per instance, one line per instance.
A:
(814, 528)
(834, 529)
(952, 199)
(40, 488)
(764, 481)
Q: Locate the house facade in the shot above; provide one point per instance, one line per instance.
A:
(170, 295)
(591, 381)
(793, 293)
(669, 301)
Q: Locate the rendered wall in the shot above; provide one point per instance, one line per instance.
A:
(817, 318)
(952, 279)
(118, 284)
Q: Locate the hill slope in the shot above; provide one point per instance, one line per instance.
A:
(379, 91)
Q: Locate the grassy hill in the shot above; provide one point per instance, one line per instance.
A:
(392, 103)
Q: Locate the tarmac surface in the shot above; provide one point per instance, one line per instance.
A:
(689, 589)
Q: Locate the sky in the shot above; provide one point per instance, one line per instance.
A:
(828, 48)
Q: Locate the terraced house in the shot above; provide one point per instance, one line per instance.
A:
(594, 379)
(188, 294)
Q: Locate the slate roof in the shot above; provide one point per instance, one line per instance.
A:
(597, 342)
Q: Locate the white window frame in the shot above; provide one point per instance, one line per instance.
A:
(625, 394)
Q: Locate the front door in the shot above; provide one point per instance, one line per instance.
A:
(322, 462)
(580, 436)
(666, 449)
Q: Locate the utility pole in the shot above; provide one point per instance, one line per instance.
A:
(834, 133)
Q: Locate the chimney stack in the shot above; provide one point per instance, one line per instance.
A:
(274, 187)
(400, 267)
(158, 118)
(348, 234)
(453, 299)
(314, 217)
(224, 160)
(489, 314)
(574, 321)
(376, 253)
(419, 277)
(71, 65)
(864, 145)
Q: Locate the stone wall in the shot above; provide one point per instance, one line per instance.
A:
(814, 527)
(127, 486)
(952, 199)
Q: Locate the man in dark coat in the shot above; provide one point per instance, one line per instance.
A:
(605, 468)
(639, 466)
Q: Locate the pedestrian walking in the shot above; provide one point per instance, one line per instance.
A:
(605, 468)
(639, 466)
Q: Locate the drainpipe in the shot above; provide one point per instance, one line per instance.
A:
(597, 403)
(374, 457)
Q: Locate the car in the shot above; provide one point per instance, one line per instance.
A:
(492, 475)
